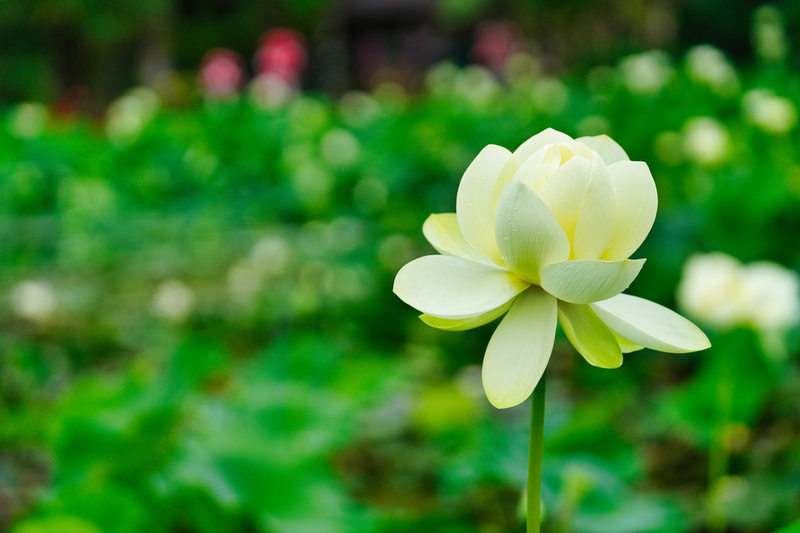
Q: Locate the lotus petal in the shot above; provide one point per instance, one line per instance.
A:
(474, 207)
(444, 234)
(589, 335)
(595, 226)
(625, 345)
(451, 287)
(650, 325)
(520, 348)
(528, 236)
(634, 209)
(585, 281)
(532, 145)
(609, 150)
(461, 324)
(563, 192)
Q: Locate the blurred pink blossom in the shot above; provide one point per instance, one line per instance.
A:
(221, 74)
(281, 53)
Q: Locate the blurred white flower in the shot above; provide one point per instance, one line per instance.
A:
(173, 300)
(128, 115)
(772, 294)
(270, 92)
(771, 113)
(33, 300)
(719, 290)
(646, 73)
(710, 289)
(708, 66)
(271, 254)
(706, 141)
(28, 120)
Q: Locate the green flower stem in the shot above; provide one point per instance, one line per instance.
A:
(535, 458)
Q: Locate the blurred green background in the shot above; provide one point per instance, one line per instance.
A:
(198, 328)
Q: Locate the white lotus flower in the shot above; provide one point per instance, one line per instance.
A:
(646, 73)
(707, 65)
(34, 300)
(173, 300)
(773, 114)
(545, 234)
(719, 290)
(706, 141)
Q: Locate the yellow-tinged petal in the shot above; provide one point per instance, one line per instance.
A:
(528, 236)
(608, 149)
(650, 325)
(520, 348)
(595, 226)
(589, 335)
(589, 280)
(635, 206)
(533, 170)
(563, 192)
(444, 234)
(451, 287)
(474, 207)
(532, 145)
(461, 324)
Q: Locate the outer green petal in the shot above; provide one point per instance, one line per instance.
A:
(528, 235)
(589, 280)
(608, 149)
(520, 349)
(461, 324)
(595, 227)
(532, 145)
(589, 335)
(625, 345)
(451, 287)
(443, 233)
(634, 209)
(650, 325)
(474, 200)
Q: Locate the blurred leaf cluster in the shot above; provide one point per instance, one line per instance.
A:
(199, 333)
